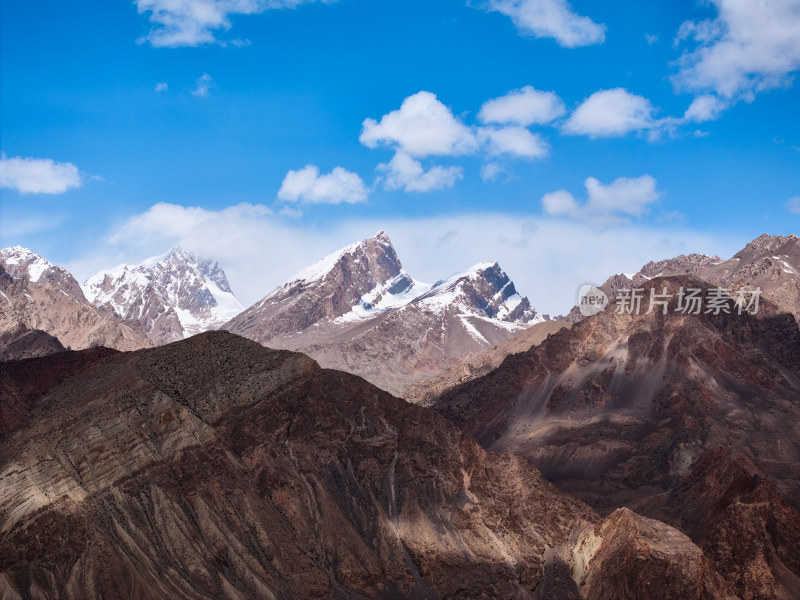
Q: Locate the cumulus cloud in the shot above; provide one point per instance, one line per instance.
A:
(705, 108)
(611, 113)
(196, 22)
(405, 173)
(748, 47)
(161, 87)
(250, 242)
(793, 204)
(306, 185)
(38, 175)
(422, 126)
(550, 19)
(522, 107)
(514, 141)
(623, 197)
(203, 85)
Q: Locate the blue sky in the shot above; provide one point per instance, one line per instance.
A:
(239, 128)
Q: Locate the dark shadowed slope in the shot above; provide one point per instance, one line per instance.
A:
(618, 409)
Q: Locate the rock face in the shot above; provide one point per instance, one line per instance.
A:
(749, 533)
(426, 391)
(358, 310)
(629, 556)
(214, 467)
(617, 409)
(172, 296)
(21, 342)
(36, 295)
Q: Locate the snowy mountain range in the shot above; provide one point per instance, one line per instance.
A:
(358, 310)
(173, 296)
(43, 309)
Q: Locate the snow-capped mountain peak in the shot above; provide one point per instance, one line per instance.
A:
(359, 310)
(21, 262)
(369, 248)
(173, 295)
(485, 290)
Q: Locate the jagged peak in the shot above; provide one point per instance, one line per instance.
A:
(19, 257)
(180, 254)
(477, 270)
(20, 251)
(324, 266)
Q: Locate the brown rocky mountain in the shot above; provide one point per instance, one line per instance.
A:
(358, 310)
(771, 263)
(171, 296)
(217, 468)
(691, 264)
(36, 295)
(21, 342)
(427, 390)
(620, 408)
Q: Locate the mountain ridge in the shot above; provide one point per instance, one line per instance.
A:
(359, 310)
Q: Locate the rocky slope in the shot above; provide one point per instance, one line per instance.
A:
(214, 467)
(22, 342)
(217, 468)
(427, 390)
(358, 310)
(617, 409)
(23, 382)
(36, 295)
(172, 296)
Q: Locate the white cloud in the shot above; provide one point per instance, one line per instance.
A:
(492, 171)
(611, 113)
(161, 87)
(560, 204)
(307, 185)
(551, 19)
(750, 46)
(405, 173)
(38, 175)
(705, 108)
(195, 22)
(422, 126)
(250, 242)
(650, 38)
(203, 85)
(165, 220)
(523, 107)
(793, 204)
(621, 198)
(515, 141)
